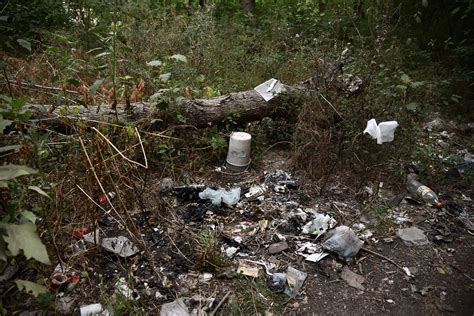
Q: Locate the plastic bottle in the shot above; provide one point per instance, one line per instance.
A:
(422, 191)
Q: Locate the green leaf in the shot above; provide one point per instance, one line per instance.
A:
(39, 190)
(412, 106)
(31, 287)
(24, 43)
(405, 79)
(456, 10)
(24, 237)
(17, 104)
(102, 54)
(165, 77)
(8, 172)
(3, 185)
(74, 82)
(154, 63)
(5, 149)
(95, 86)
(179, 57)
(417, 84)
(29, 216)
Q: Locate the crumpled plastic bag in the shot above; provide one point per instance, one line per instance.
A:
(220, 196)
(384, 132)
(344, 242)
(319, 225)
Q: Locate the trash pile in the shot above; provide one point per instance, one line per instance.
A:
(268, 228)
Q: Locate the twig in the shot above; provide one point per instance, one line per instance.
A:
(120, 153)
(32, 85)
(100, 185)
(220, 303)
(385, 258)
(331, 105)
(171, 239)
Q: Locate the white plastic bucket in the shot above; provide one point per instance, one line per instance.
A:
(238, 155)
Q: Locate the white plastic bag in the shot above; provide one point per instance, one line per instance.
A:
(383, 132)
(217, 197)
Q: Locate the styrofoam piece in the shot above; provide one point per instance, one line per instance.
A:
(94, 309)
(239, 149)
(384, 132)
(269, 89)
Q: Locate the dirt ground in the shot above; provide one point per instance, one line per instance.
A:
(173, 267)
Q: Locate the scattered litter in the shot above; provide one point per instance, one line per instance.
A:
(280, 181)
(462, 215)
(278, 247)
(319, 225)
(90, 237)
(316, 257)
(105, 198)
(166, 185)
(390, 301)
(238, 155)
(311, 251)
(219, 196)
(120, 245)
(206, 276)
(422, 191)
(268, 265)
(298, 213)
(94, 309)
(122, 287)
(58, 279)
(175, 308)
(383, 132)
(269, 89)
(65, 304)
(278, 281)
(255, 191)
(412, 236)
(344, 242)
(400, 218)
(352, 279)
(408, 272)
(434, 124)
(81, 231)
(248, 270)
(231, 251)
(295, 280)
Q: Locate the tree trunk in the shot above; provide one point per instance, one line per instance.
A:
(244, 106)
(248, 6)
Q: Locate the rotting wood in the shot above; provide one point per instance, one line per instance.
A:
(244, 106)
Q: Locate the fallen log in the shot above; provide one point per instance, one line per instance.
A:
(246, 106)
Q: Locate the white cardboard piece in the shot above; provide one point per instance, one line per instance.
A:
(384, 132)
(269, 89)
